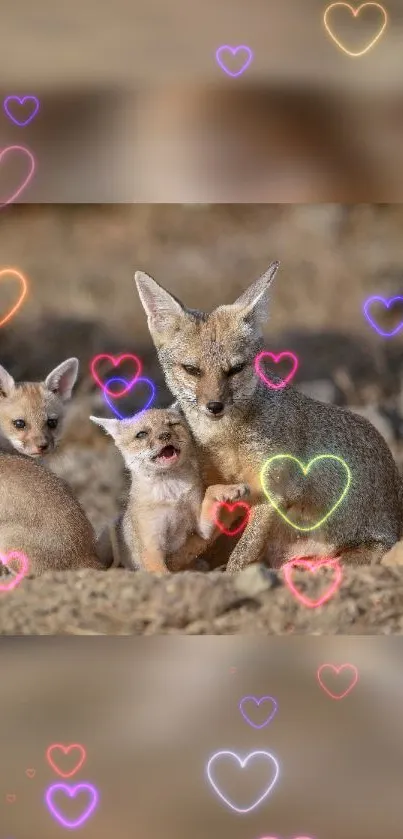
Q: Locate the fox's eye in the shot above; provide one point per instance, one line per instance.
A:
(52, 422)
(234, 370)
(19, 423)
(193, 371)
(141, 435)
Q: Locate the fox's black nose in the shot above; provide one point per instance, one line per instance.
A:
(165, 436)
(215, 407)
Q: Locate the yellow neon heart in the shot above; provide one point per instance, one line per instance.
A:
(305, 470)
(355, 12)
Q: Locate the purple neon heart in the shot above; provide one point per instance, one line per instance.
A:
(71, 792)
(258, 702)
(21, 100)
(136, 382)
(234, 51)
(386, 302)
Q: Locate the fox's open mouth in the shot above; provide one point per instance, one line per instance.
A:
(167, 455)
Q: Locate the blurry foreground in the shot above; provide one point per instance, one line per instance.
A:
(151, 713)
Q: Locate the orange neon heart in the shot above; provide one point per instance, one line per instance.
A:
(355, 13)
(24, 286)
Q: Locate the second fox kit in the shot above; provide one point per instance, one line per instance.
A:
(168, 513)
(31, 413)
(238, 422)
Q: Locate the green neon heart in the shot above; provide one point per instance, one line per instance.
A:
(305, 470)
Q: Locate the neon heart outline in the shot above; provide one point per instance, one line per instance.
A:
(234, 50)
(305, 471)
(150, 401)
(258, 702)
(230, 507)
(30, 773)
(355, 14)
(387, 301)
(337, 669)
(277, 358)
(66, 750)
(27, 179)
(116, 359)
(16, 579)
(243, 763)
(22, 296)
(315, 564)
(71, 793)
(21, 100)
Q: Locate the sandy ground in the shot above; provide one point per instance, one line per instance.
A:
(254, 602)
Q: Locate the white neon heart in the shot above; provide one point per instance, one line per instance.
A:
(242, 763)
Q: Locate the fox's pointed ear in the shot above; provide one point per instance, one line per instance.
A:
(111, 426)
(63, 378)
(162, 309)
(7, 383)
(252, 304)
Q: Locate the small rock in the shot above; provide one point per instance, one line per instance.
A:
(394, 556)
(255, 579)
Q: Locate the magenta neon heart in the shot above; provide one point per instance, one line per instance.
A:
(258, 702)
(21, 100)
(13, 581)
(233, 50)
(276, 358)
(12, 149)
(71, 792)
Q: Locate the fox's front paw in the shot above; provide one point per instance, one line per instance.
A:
(227, 493)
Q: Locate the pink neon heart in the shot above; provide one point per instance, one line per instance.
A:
(13, 581)
(58, 747)
(313, 565)
(338, 670)
(276, 358)
(25, 183)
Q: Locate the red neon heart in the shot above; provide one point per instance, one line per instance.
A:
(231, 507)
(30, 773)
(11, 797)
(276, 358)
(116, 360)
(313, 565)
(338, 670)
(66, 750)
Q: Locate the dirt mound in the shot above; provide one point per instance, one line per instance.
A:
(254, 602)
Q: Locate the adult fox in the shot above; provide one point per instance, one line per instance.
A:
(239, 423)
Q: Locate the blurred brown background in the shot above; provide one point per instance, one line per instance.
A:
(151, 713)
(135, 108)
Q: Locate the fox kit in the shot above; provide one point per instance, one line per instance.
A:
(31, 413)
(238, 422)
(40, 517)
(167, 515)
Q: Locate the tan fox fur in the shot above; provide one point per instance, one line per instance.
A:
(31, 413)
(40, 517)
(238, 423)
(168, 517)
